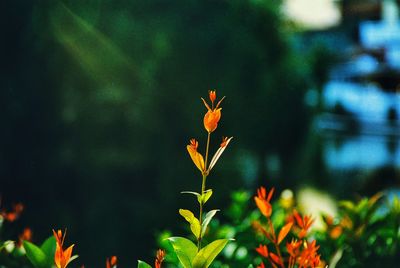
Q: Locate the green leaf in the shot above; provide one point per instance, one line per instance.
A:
(193, 193)
(194, 222)
(142, 264)
(73, 258)
(206, 255)
(347, 205)
(36, 256)
(184, 249)
(7, 243)
(207, 220)
(206, 195)
(202, 198)
(49, 248)
(362, 205)
(396, 205)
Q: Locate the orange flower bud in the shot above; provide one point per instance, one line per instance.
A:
(293, 247)
(25, 236)
(14, 214)
(212, 95)
(62, 257)
(261, 265)
(264, 206)
(262, 250)
(224, 142)
(263, 201)
(211, 119)
(159, 258)
(336, 232)
(111, 262)
(213, 115)
(197, 158)
(304, 223)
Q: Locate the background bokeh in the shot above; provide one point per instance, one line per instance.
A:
(99, 99)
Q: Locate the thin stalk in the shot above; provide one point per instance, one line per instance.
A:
(278, 251)
(208, 145)
(203, 188)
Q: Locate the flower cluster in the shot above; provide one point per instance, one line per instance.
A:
(302, 253)
(14, 214)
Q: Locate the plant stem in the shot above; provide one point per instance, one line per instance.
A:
(208, 145)
(203, 188)
(278, 251)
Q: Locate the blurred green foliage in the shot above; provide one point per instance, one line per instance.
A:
(365, 233)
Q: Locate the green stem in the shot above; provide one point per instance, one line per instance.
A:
(278, 251)
(208, 145)
(203, 188)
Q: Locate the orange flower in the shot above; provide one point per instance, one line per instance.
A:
(212, 95)
(263, 201)
(336, 232)
(346, 222)
(159, 258)
(304, 223)
(195, 155)
(309, 257)
(62, 257)
(262, 250)
(293, 247)
(261, 265)
(213, 115)
(111, 262)
(14, 214)
(278, 260)
(211, 119)
(25, 236)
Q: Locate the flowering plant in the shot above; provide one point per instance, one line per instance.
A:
(190, 254)
(300, 251)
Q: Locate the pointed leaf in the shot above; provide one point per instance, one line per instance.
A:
(206, 195)
(347, 205)
(375, 198)
(35, 255)
(73, 258)
(206, 255)
(218, 154)
(284, 231)
(275, 258)
(6, 244)
(197, 158)
(194, 222)
(190, 192)
(199, 196)
(184, 249)
(207, 220)
(142, 264)
(49, 247)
